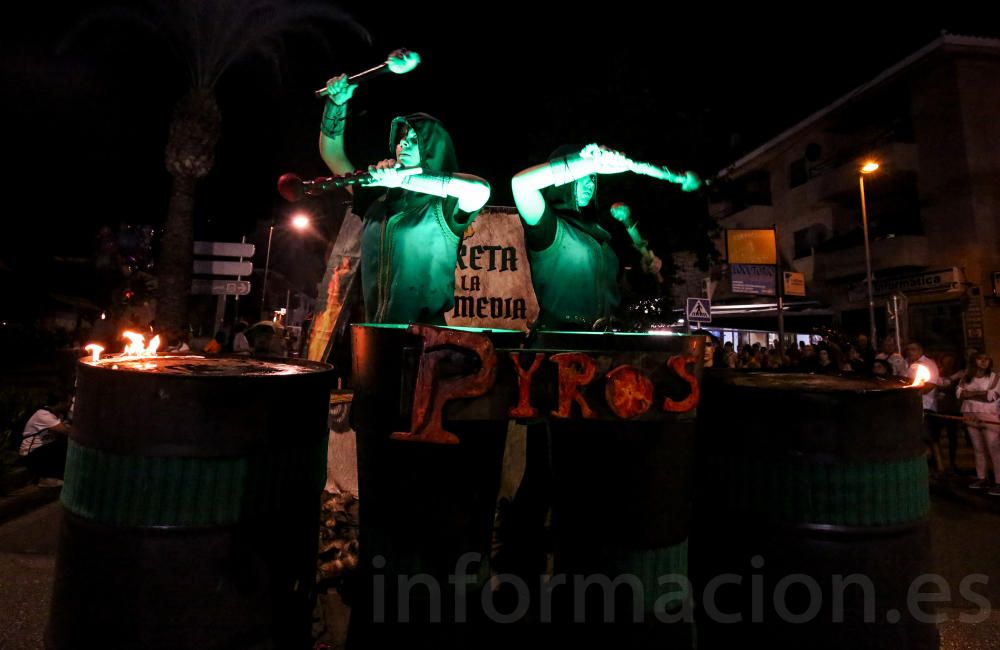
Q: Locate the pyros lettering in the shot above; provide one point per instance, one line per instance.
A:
(628, 390)
(431, 394)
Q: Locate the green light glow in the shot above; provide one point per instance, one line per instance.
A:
(404, 326)
(402, 61)
(652, 332)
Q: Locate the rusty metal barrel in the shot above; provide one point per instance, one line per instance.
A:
(423, 506)
(811, 513)
(621, 499)
(191, 504)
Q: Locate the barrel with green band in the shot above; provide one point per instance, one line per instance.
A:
(621, 507)
(811, 513)
(426, 510)
(191, 504)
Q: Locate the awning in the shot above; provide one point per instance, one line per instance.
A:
(800, 316)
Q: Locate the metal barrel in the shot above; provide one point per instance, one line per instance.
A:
(811, 509)
(191, 504)
(426, 510)
(621, 507)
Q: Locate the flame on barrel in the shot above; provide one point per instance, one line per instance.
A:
(137, 345)
(922, 376)
(95, 351)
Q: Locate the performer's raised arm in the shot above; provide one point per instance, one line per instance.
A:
(528, 184)
(651, 264)
(471, 191)
(331, 130)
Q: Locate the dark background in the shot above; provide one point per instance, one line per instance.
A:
(83, 120)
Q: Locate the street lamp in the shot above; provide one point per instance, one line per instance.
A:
(299, 222)
(868, 168)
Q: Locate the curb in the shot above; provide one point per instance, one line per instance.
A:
(19, 495)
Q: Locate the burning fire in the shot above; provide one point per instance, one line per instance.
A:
(95, 352)
(923, 374)
(137, 346)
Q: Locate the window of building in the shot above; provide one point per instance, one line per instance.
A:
(807, 239)
(798, 173)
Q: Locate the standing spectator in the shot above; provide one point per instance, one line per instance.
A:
(947, 404)
(928, 392)
(808, 360)
(882, 369)
(825, 364)
(177, 341)
(891, 354)
(729, 355)
(240, 343)
(978, 393)
(854, 363)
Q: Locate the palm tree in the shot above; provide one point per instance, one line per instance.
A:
(209, 37)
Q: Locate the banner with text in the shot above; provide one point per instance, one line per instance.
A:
(492, 278)
(757, 279)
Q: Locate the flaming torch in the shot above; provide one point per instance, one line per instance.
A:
(137, 345)
(95, 352)
(922, 376)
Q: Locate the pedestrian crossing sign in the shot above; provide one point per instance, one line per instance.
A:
(699, 310)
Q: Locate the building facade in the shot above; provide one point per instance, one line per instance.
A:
(932, 122)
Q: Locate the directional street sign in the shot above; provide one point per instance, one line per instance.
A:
(223, 249)
(219, 267)
(220, 287)
(699, 310)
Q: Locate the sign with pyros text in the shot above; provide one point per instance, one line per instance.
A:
(492, 277)
(459, 375)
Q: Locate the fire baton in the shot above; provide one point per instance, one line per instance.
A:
(399, 61)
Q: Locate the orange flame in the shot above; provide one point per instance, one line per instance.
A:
(95, 352)
(922, 376)
(137, 346)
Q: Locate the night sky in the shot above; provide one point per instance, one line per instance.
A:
(83, 128)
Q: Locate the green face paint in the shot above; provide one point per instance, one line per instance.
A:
(408, 150)
(583, 190)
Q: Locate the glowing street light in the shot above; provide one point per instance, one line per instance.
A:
(869, 167)
(300, 222)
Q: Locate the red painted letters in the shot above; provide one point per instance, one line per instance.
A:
(432, 392)
(575, 369)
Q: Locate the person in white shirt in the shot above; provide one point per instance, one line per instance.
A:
(43, 441)
(979, 394)
(240, 343)
(928, 392)
(892, 356)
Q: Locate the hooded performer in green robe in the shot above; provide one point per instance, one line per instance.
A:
(574, 269)
(409, 245)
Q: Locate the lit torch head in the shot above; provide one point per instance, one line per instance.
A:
(95, 352)
(922, 375)
(402, 61)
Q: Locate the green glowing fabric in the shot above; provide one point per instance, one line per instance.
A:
(409, 245)
(576, 276)
(574, 270)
